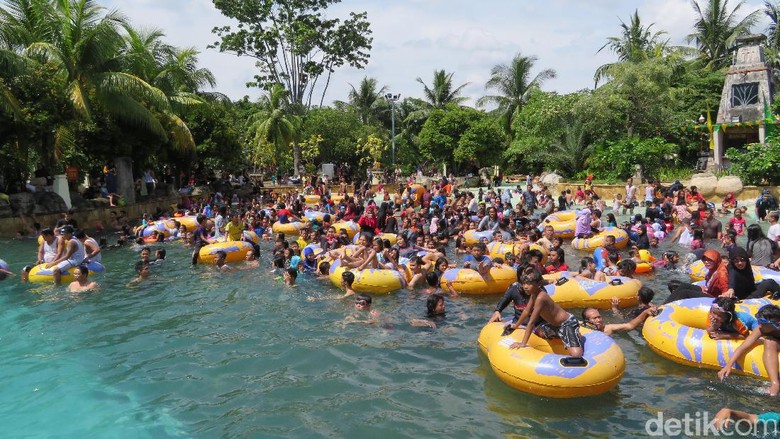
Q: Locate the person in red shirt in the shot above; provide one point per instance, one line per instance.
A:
(556, 262)
(737, 222)
(368, 221)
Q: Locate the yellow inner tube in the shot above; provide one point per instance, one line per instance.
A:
(468, 281)
(500, 249)
(39, 274)
(590, 244)
(291, 228)
(352, 228)
(235, 251)
(582, 293)
(679, 334)
(373, 281)
(537, 369)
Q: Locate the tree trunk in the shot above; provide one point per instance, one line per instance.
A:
(297, 159)
(124, 178)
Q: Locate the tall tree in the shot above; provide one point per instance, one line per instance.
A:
(293, 42)
(514, 85)
(272, 130)
(441, 91)
(365, 99)
(636, 43)
(716, 29)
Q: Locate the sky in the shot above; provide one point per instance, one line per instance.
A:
(412, 38)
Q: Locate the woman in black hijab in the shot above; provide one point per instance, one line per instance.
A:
(741, 279)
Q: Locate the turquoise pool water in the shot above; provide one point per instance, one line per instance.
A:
(195, 353)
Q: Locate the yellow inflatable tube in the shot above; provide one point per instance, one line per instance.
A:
(235, 251)
(40, 274)
(500, 249)
(538, 369)
(679, 334)
(562, 229)
(189, 222)
(468, 281)
(373, 281)
(697, 271)
(352, 228)
(590, 244)
(292, 228)
(472, 236)
(312, 199)
(582, 293)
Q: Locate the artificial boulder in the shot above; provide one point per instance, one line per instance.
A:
(22, 203)
(705, 183)
(729, 184)
(49, 202)
(551, 179)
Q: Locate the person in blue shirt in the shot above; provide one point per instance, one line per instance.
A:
(477, 260)
(726, 322)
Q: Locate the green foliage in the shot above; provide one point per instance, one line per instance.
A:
(461, 135)
(293, 41)
(757, 163)
(339, 130)
(539, 124)
(636, 101)
(618, 159)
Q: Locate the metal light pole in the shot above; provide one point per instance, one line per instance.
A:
(393, 98)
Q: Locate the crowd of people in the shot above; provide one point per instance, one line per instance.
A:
(429, 224)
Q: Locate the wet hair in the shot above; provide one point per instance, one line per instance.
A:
(221, 254)
(584, 262)
(363, 296)
(646, 295)
(83, 269)
(431, 303)
(146, 249)
(160, 254)
(348, 277)
(534, 274)
(769, 312)
(585, 311)
(325, 268)
(432, 279)
(727, 304)
(613, 257)
(293, 273)
(279, 262)
(627, 265)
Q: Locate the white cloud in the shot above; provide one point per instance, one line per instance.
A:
(412, 38)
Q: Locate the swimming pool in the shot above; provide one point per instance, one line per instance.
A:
(195, 353)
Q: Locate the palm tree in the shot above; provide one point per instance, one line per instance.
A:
(514, 84)
(441, 91)
(366, 98)
(772, 11)
(272, 130)
(570, 152)
(636, 43)
(717, 29)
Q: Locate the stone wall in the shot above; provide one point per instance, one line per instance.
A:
(608, 191)
(86, 218)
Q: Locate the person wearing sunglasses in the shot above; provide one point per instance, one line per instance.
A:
(742, 283)
(716, 282)
(363, 304)
(768, 319)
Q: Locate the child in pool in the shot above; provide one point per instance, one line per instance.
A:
(768, 317)
(558, 323)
